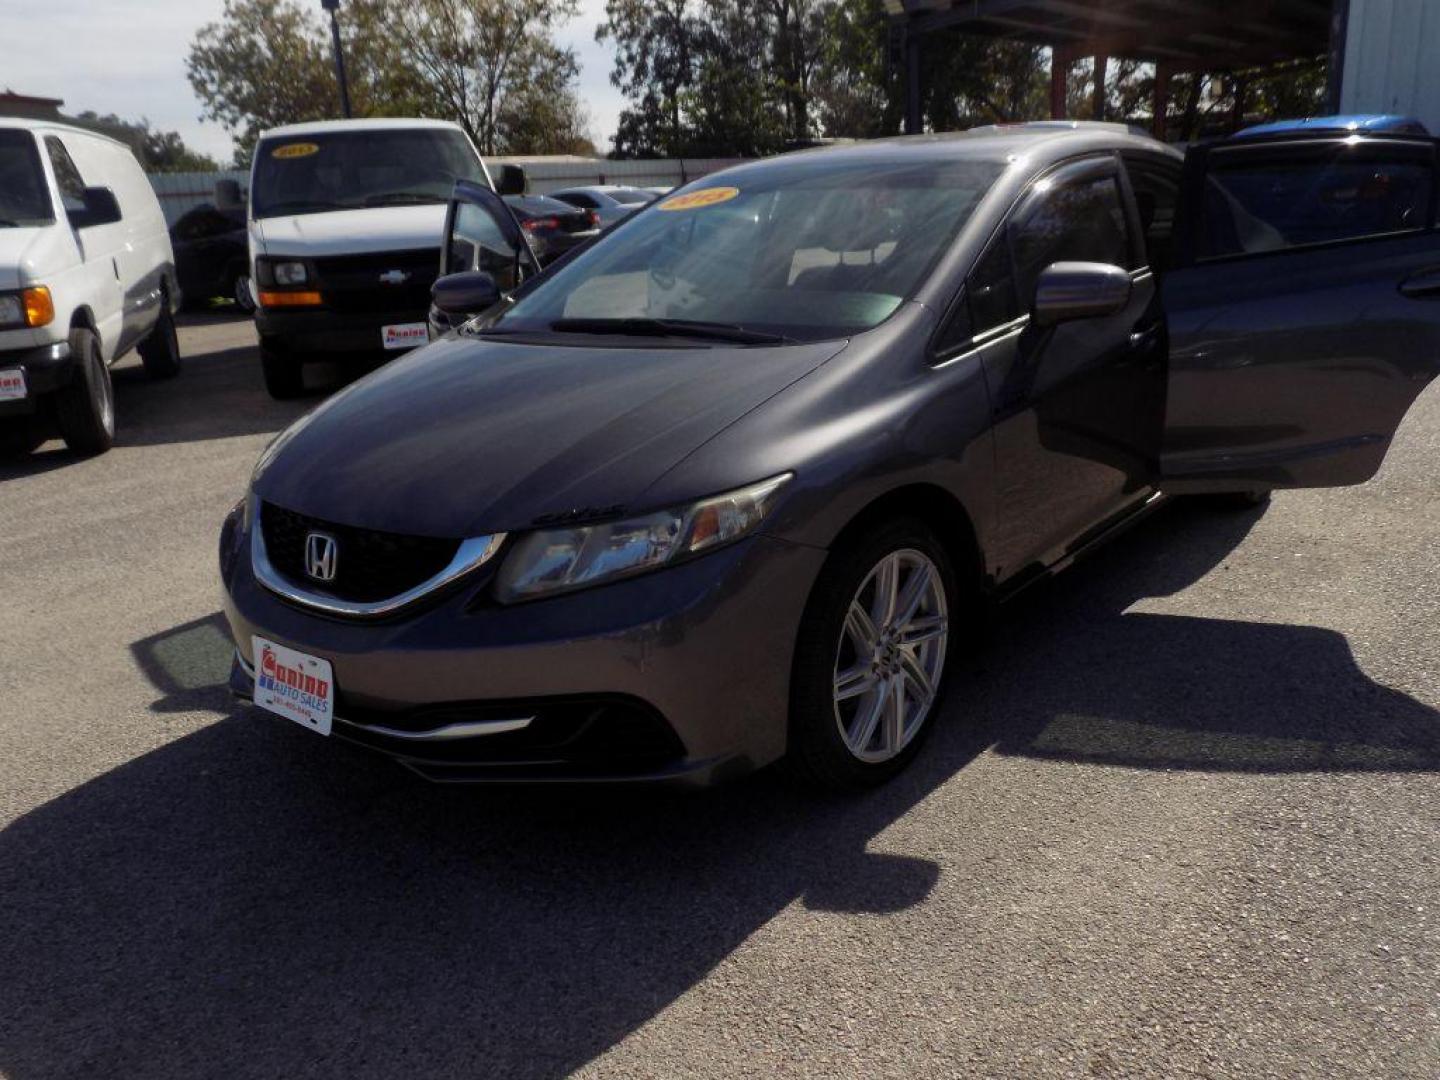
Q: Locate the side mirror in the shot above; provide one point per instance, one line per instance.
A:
(1079, 290)
(464, 294)
(101, 208)
(512, 180)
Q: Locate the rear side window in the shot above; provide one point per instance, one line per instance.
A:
(574, 198)
(67, 176)
(1257, 201)
(1083, 221)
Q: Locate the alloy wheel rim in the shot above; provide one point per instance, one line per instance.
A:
(890, 655)
(104, 394)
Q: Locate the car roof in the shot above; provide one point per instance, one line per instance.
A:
(321, 127)
(1039, 143)
(1361, 122)
(24, 123)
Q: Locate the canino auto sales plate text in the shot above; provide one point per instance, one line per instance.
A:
(293, 684)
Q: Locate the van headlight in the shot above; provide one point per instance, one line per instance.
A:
(560, 560)
(290, 273)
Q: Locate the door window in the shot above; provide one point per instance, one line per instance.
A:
(67, 176)
(1156, 185)
(476, 243)
(1083, 221)
(1273, 199)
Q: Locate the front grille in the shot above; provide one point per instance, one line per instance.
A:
(370, 566)
(351, 283)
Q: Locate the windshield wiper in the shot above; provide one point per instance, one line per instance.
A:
(403, 197)
(647, 327)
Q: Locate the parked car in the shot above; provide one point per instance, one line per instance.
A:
(211, 255)
(554, 227)
(86, 274)
(735, 482)
(610, 202)
(346, 219)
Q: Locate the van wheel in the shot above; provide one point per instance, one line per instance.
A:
(240, 290)
(85, 409)
(283, 373)
(871, 659)
(161, 348)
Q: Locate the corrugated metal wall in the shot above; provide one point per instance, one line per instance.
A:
(1392, 59)
(178, 192)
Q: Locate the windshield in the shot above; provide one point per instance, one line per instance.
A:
(803, 249)
(350, 170)
(24, 196)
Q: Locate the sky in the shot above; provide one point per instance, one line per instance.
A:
(128, 57)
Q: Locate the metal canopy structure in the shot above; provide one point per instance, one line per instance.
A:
(1209, 36)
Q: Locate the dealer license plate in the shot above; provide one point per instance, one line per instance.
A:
(12, 384)
(404, 335)
(294, 685)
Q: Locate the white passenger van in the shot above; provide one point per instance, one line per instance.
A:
(86, 274)
(346, 219)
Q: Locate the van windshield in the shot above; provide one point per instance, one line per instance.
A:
(351, 170)
(24, 197)
(803, 249)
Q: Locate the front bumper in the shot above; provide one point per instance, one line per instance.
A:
(680, 675)
(47, 368)
(320, 330)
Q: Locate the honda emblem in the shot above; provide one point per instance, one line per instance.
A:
(322, 555)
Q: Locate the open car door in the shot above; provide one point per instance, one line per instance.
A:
(485, 256)
(1303, 309)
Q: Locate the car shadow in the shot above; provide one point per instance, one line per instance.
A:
(251, 900)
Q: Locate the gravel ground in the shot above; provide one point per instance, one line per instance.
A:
(1181, 821)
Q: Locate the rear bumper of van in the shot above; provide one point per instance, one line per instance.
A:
(46, 368)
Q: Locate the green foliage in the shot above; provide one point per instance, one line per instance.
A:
(157, 151)
(490, 65)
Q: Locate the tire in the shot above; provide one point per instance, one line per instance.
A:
(284, 377)
(85, 409)
(240, 293)
(160, 350)
(1238, 501)
(828, 745)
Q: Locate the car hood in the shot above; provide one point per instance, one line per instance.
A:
(347, 232)
(20, 256)
(466, 437)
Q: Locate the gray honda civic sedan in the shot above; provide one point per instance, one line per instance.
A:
(730, 484)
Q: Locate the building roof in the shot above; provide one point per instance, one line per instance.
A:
(10, 97)
(1208, 35)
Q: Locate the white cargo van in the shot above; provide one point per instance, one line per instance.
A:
(86, 274)
(346, 219)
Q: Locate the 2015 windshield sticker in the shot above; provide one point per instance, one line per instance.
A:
(695, 200)
(294, 150)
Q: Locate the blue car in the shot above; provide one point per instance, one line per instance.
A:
(1371, 123)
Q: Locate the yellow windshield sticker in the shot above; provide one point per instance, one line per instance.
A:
(694, 200)
(295, 149)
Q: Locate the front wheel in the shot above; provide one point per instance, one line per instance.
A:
(240, 290)
(872, 656)
(283, 373)
(85, 408)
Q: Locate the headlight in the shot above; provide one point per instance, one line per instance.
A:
(290, 273)
(12, 311)
(558, 560)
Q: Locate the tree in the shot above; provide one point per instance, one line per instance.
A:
(494, 66)
(157, 151)
(656, 46)
(854, 95)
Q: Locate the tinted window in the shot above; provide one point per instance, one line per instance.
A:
(309, 174)
(24, 198)
(67, 176)
(991, 290)
(808, 248)
(1267, 201)
(631, 195)
(476, 243)
(574, 198)
(1157, 194)
(1082, 221)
